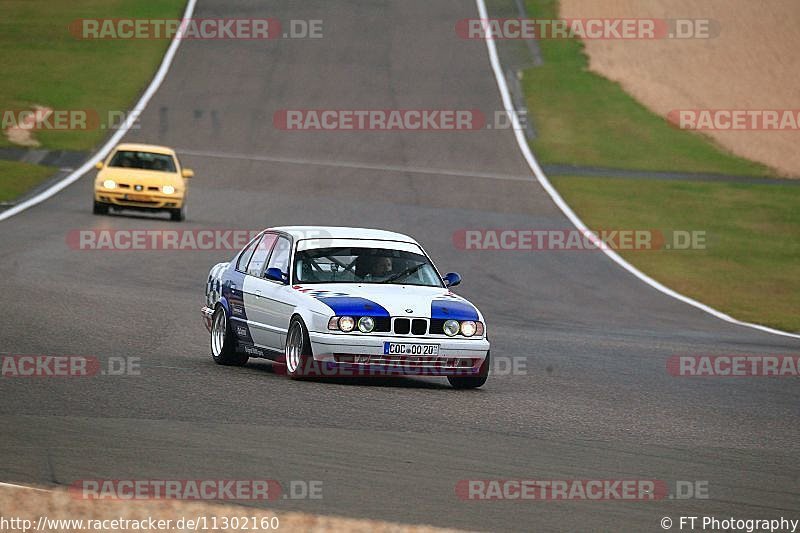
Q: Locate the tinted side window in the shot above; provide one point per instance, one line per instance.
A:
(260, 255)
(280, 256)
(244, 258)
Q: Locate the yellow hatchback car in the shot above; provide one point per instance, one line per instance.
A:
(143, 177)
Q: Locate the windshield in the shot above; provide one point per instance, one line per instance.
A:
(143, 160)
(365, 265)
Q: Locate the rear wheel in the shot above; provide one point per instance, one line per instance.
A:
(223, 345)
(100, 208)
(298, 357)
(472, 382)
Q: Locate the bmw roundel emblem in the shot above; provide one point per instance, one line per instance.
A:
(138, 187)
(409, 311)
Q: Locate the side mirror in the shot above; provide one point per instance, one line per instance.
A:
(452, 279)
(187, 173)
(275, 274)
(98, 165)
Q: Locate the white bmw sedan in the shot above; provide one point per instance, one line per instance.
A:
(332, 301)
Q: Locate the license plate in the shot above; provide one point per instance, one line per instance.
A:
(137, 197)
(405, 348)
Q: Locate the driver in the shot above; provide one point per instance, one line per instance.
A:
(381, 266)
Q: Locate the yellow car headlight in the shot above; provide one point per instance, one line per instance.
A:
(109, 184)
(168, 189)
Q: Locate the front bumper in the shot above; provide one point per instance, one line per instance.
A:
(364, 354)
(138, 200)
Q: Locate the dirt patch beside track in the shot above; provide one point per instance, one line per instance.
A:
(27, 504)
(751, 64)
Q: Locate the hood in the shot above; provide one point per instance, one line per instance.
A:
(134, 176)
(390, 300)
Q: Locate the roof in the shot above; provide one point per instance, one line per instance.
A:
(336, 232)
(146, 148)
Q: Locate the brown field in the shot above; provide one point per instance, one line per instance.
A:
(752, 64)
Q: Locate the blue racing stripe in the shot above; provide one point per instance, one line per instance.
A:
(452, 309)
(353, 306)
(232, 285)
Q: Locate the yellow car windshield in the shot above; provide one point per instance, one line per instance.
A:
(143, 160)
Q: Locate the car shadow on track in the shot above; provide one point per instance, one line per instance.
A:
(277, 370)
(139, 215)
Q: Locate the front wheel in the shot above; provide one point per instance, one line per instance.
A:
(298, 357)
(178, 215)
(472, 382)
(223, 345)
(100, 208)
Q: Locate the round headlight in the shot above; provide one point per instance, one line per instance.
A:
(451, 328)
(109, 184)
(346, 324)
(366, 324)
(168, 189)
(468, 328)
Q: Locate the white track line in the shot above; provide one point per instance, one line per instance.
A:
(13, 486)
(356, 165)
(529, 157)
(135, 112)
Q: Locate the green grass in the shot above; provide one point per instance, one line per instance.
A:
(42, 63)
(750, 266)
(584, 119)
(16, 178)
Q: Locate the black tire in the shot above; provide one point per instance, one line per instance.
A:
(100, 208)
(223, 343)
(301, 364)
(472, 382)
(178, 215)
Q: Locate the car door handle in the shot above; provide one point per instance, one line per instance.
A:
(258, 293)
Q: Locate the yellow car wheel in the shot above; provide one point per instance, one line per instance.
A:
(100, 208)
(178, 215)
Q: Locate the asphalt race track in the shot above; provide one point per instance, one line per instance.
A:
(594, 400)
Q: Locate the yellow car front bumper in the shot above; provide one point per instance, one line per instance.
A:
(141, 199)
